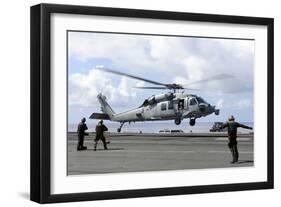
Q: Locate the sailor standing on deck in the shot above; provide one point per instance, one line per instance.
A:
(232, 136)
(100, 129)
(82, 127)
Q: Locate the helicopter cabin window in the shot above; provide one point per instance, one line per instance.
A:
(192, 102)
(170, 105)
(163, 106)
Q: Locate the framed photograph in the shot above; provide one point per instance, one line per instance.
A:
(133, 103)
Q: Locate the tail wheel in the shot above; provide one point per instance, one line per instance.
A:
(177, 121)
(192, 122)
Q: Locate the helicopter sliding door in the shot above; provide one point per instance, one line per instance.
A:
(165, 109)
(182, 105)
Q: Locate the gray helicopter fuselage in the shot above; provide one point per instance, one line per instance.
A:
(176, 105)
(168, 106)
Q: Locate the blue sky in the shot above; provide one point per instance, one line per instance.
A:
(163, 59)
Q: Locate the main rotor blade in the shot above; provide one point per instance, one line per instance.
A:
(195, 89)
(213, 78)
(151, 87)
(130, 76)
(144, 87)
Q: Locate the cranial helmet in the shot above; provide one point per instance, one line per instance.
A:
(231, 118)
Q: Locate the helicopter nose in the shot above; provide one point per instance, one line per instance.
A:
(203, 107)
(216, 111)
(211, 108)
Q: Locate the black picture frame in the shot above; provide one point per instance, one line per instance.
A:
(40, 184)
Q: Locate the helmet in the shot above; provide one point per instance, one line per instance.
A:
(101, 121)
(83, 119)
(231, 118)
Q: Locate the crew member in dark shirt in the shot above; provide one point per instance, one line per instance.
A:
(82, 127)
(232, 136)
(100, 129)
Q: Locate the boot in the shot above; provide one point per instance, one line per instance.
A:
(236, 154)
(104, 144)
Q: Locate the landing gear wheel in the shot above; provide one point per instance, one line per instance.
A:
(192, 122)
(177, 121)
(119, 129)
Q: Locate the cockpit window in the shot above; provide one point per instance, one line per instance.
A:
(200, 100)
(192, 102)
(145, 103)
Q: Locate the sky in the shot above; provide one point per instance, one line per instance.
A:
(166, 59)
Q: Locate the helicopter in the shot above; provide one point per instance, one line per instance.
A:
(173, 105)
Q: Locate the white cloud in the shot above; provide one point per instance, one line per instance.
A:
(220, 103)
(124, 51)
(235, 105)
(84, 88)
(245, 103)
(243, 49)
(196, 67)
(178, 59)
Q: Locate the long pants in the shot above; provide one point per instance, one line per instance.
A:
(103, 141)
(80, 142)
(233, 148)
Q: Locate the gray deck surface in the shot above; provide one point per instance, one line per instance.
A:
(154, 152)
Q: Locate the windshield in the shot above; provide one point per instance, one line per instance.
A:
(145, 103)
(200, 100)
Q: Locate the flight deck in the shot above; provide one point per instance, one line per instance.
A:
(132, 152)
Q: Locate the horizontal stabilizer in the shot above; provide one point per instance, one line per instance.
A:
(99, 116)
